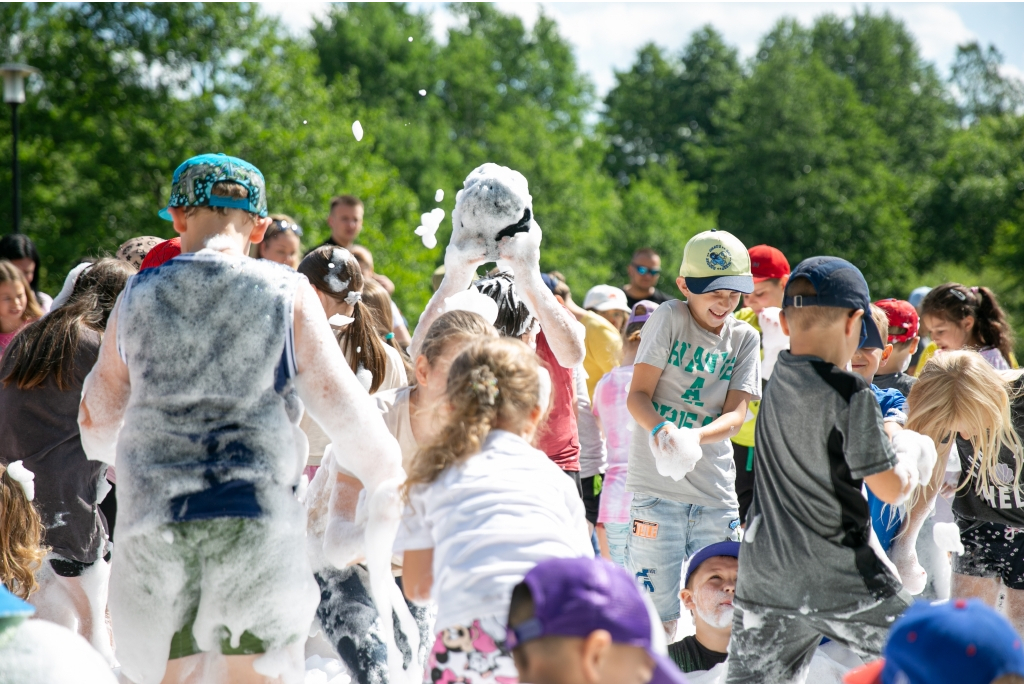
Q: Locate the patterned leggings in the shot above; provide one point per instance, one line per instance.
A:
(472, 654)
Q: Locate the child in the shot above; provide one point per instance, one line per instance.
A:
(583, 621)
(962, 641)
(903, 326)
(484, 507)
(770, 270)
(21, 531)
(197, 393)
(377, 300)
(161, 253)
(696, 370)
(605, 315)
(282, 242)
(19, 250)
(41, 379)
(134, 250)
(959, 317)
(709, 584)
(610, 410)
(807, 497)
(18, 306)
(960, 395)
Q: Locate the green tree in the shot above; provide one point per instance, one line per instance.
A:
(983, 91)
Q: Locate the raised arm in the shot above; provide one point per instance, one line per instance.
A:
(459, 271)
(105, 397)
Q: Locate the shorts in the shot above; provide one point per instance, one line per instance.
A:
(743, 456)
(575, 476)
(663, 534)
(991, 550)
(176, 588)
(69, 568)
(591, 497)
(472, 654)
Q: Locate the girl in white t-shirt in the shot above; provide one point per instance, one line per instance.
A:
(484, 508)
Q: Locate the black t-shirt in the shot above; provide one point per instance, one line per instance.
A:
(898, 380)
(691, 655)
(999, 504)
(658, 297)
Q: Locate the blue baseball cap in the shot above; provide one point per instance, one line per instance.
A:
(13, 607)
(575, 597)
(727, 548)
(962, 641)
(192, 184)
(838, 284)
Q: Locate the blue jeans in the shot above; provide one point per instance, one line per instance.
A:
(617, 534)
(663, 534)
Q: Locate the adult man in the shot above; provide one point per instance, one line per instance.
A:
(345, 220)
(644, 271)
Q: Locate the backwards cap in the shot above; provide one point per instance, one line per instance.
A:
(575, 597)
(837, 284)
(767, 262)
(192, 184)
(901, 314)
(716, 260)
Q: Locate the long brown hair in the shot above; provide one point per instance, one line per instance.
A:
(494, 381)
(21, 533)
(335, 273)
(954, 302)
(377, 299)
(12, 274)
(47, 347)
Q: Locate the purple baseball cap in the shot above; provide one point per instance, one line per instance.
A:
(575, 597)
(648, 308)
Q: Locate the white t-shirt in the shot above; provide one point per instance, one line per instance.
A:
(489, 521)
(394, 407)
(698, 369)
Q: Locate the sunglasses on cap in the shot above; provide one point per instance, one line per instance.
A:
(283, 225)
(646, 270)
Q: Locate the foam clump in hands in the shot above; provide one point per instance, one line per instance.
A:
(772, 338)
(493, 205)
(676, 451)
(915, 457)
(473, 300)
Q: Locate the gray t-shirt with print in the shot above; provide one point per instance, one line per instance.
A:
(819, 434)
(698, 369)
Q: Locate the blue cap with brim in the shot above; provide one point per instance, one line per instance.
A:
(740, 284)
(838, 283)
(13, 607)
(727, 548)
(193, 181)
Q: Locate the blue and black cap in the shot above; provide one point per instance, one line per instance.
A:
(838, 283)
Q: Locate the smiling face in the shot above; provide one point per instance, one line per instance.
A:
(866, 361)
(710, 310)
(768, 293)
(949, 335)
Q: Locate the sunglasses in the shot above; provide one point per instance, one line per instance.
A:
(282, 225)
(645, 270)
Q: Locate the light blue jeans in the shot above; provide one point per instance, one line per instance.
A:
(663, 535)
(617, 534)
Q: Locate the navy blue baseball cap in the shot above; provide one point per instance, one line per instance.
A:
(961, 641)
(192, 184)
(575, 597)
(727, 548)
(838, 284)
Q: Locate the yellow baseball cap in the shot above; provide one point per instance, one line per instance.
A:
(716, 260)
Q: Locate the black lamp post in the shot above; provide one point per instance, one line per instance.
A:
(14, 94)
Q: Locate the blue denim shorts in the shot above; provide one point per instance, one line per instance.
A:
(663, 534)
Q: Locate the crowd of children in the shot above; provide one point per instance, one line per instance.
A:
(524, 489)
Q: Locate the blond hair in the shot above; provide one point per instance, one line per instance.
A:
(960, 392)
(21, 534)
(12, 274)
(881, 320)
(493, 382)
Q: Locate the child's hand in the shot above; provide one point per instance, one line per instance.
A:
(521, 251)
(773, 340)
(676, 451)
(917, 452)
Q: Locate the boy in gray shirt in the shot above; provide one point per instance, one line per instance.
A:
(808, 567)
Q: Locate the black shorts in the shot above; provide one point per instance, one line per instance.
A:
(991, 550)
(591, 497)
(69, 568)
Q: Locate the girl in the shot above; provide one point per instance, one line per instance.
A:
(959, 317)
(42, 375)
(19, 249)
(281, 242)
(484, 508)
(376, 297)
(613, 417)
(18, 306)
(21, 532)
(961, 399)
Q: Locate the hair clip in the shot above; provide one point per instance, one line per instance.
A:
(484, 385)
(959, 295)
(353, 297)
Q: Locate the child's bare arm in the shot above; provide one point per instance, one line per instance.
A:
(459, 271)
(105, 397)
(892, 486)
(734, 413)
(639, 401)
(418, 573)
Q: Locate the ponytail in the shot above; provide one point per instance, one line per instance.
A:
(21, 534)
(955, 302)
(362, 346)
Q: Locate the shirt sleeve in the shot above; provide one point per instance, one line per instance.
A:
(892, 403)
(746, 374)
(414, 533)
(656, 337)
(867, 449)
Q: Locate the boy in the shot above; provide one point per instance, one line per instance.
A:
(697, 369)
(807, 567)
(770, 270)
(903, 326)
(709, 584)
(583, 621)
(196, 392)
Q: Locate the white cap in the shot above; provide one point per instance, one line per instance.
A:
(602, 298)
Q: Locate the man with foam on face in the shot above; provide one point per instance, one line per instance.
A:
(195, 398)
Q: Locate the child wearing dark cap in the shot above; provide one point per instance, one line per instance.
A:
(584, 621)
(709, 584)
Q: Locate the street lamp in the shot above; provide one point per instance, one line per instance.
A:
(14, 94)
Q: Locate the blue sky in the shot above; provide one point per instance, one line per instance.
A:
(607, 35)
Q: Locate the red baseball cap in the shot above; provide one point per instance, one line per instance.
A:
(767, 262)
(161, 252)
(901, 315)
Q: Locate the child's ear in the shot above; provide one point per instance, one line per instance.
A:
(784, 322)
(421, 368)
(686, 595)
(259, 229)
(595, 653)
(178, 219)
(886, 352)
(913, 348)
(681, 284)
